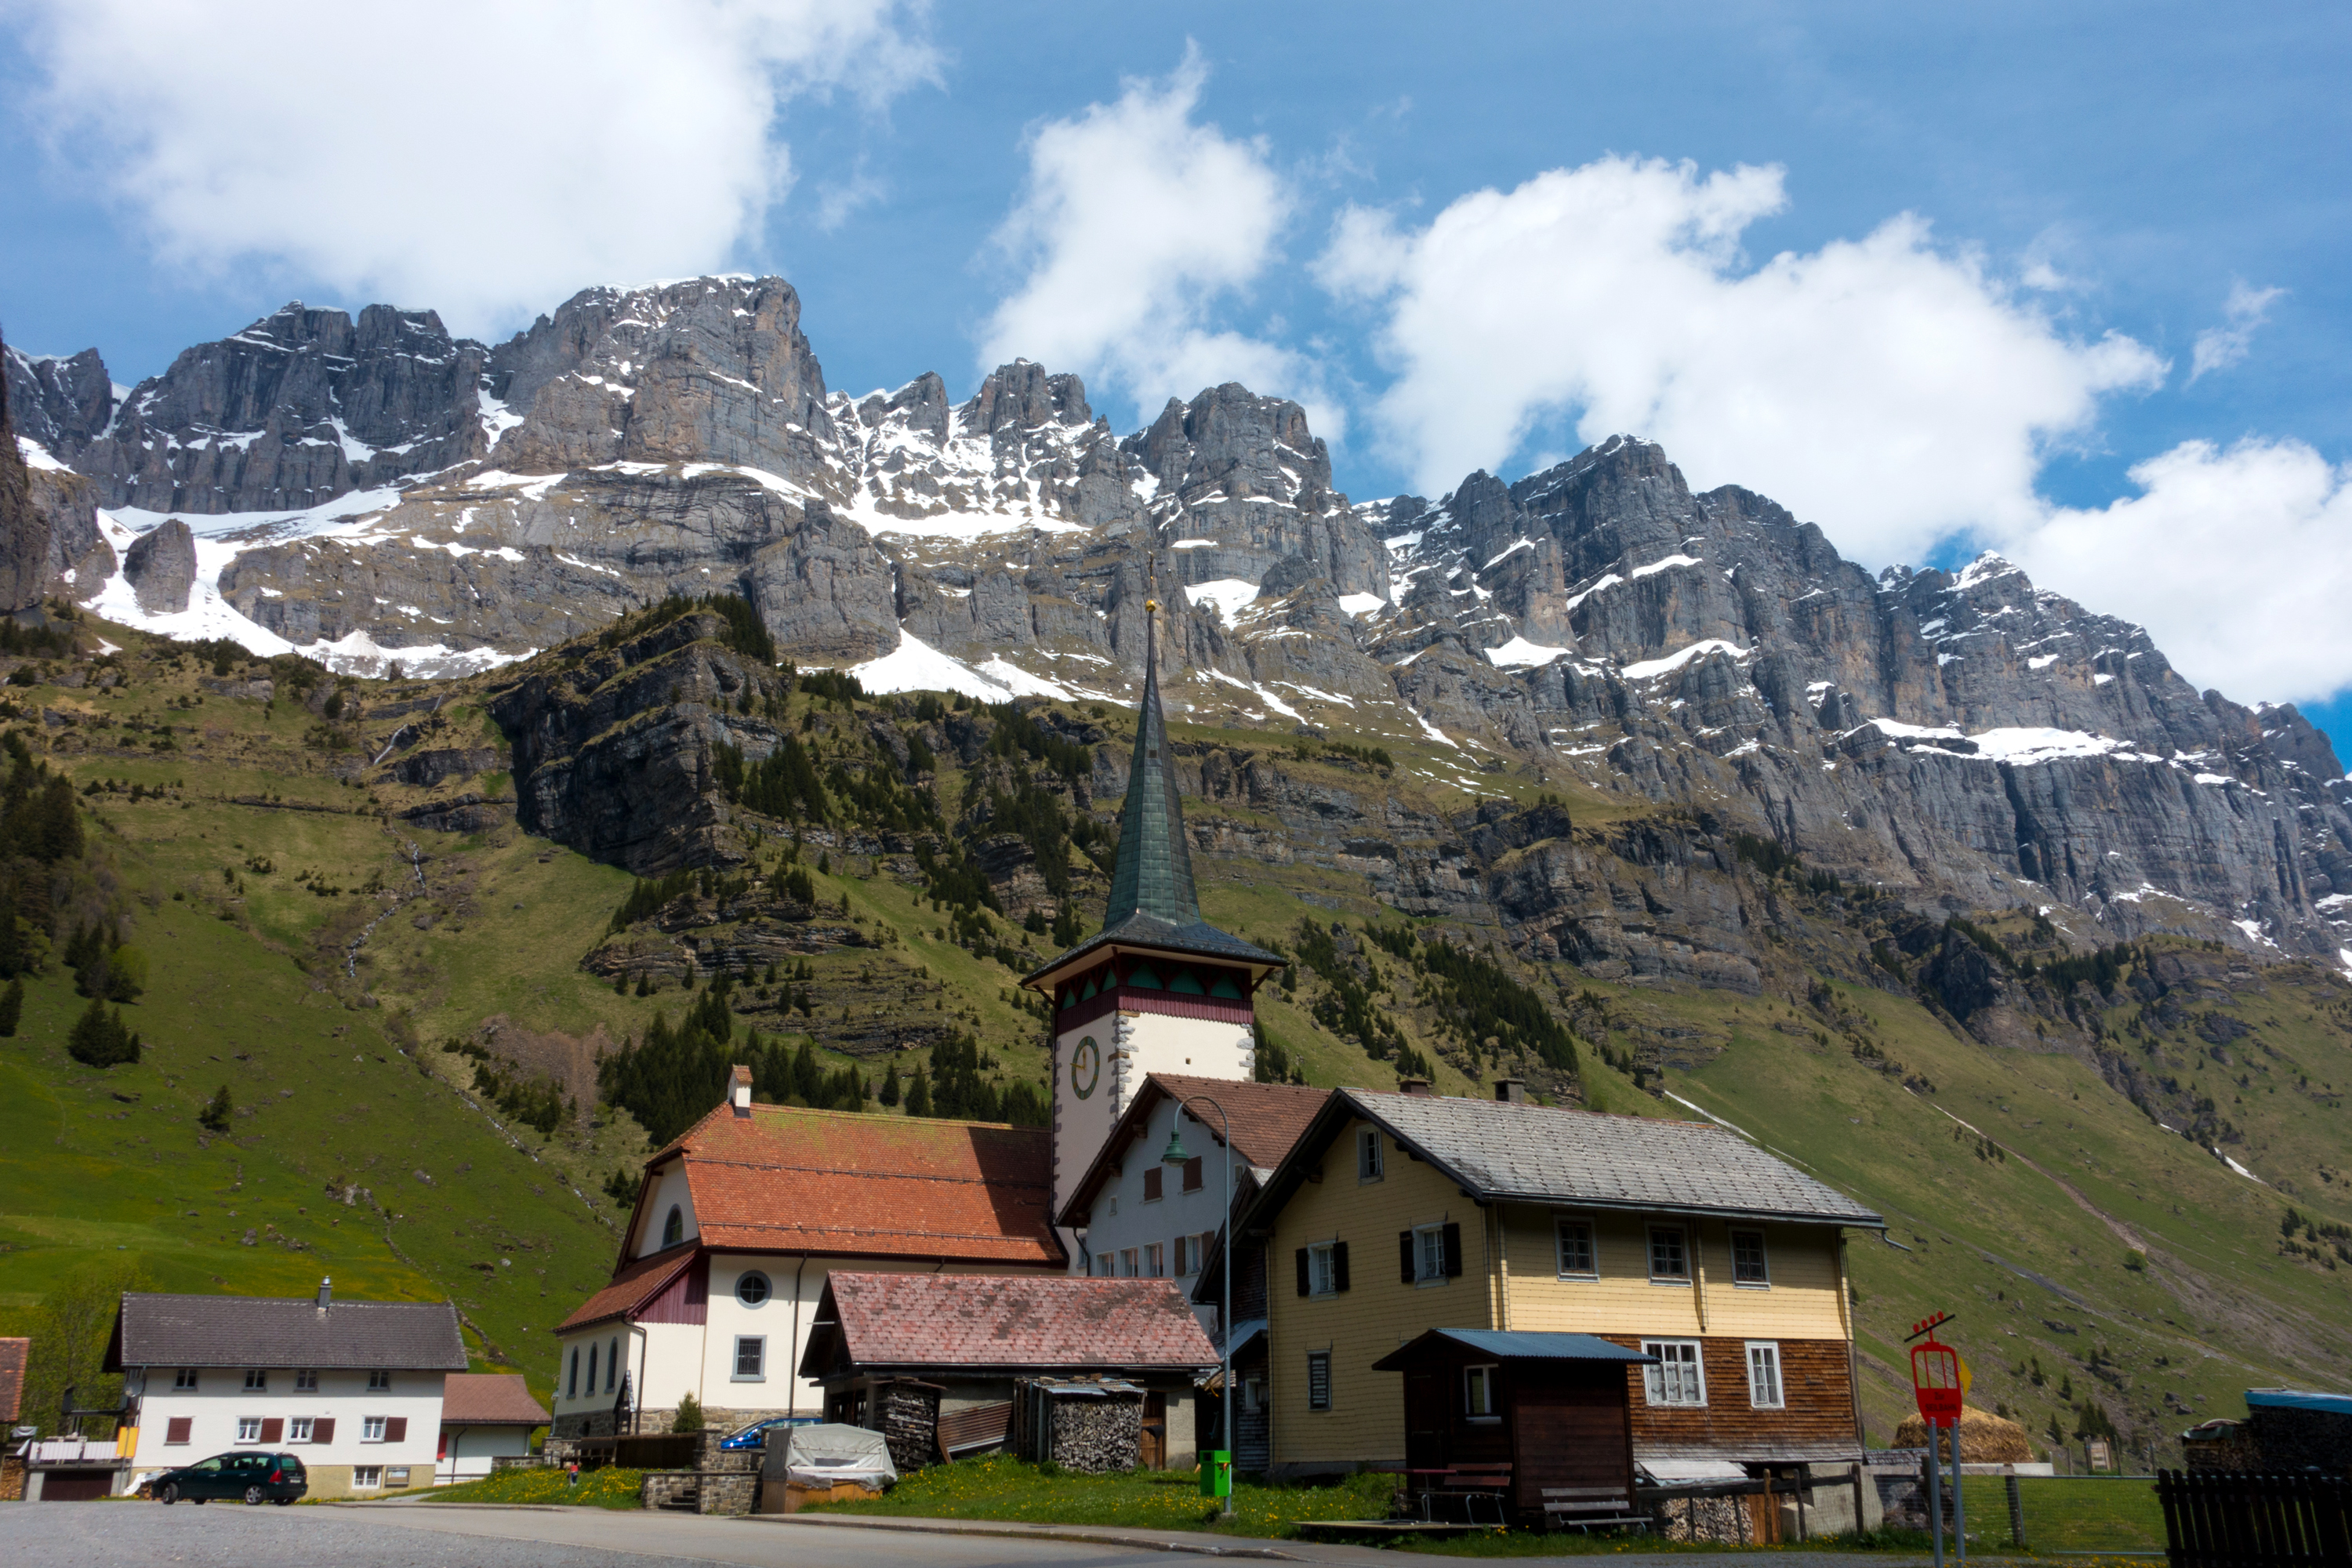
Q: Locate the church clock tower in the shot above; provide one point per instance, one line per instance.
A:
(1157, 989)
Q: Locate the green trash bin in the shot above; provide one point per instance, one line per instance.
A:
(1217, 1472)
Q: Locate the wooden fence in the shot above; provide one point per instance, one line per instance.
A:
(2229, 1520)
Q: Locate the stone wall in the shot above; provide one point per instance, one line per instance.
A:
(729, 1492)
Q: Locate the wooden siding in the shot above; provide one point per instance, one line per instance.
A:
(1377, 1313)
(686, 1299)
(1802, 1301)
(1814, 1385)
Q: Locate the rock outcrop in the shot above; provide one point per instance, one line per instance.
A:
(160, 565)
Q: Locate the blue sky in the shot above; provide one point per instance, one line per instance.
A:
(1285, 196)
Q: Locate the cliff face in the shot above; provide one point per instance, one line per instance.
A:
(1965, 739)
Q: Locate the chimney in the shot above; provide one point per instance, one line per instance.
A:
(1511, 1090)
(326, 1294)
(739, 1089)
(1412, 1086)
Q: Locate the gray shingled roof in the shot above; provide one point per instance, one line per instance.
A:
(278, 1332)
(1540, 1153)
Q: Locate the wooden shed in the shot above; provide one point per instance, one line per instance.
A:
(1535, 1424)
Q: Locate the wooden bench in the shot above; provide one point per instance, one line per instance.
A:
(1471, 1484)
(1587, 1508)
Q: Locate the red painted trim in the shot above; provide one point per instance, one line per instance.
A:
(1168, 1004)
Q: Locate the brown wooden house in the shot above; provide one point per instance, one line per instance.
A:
(1537, 1423)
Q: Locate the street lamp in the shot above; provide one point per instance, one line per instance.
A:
(1175, 1155)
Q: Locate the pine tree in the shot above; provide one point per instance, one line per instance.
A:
(12, 1009)
(689, 1413)
(99, 1038)
(918, 1094)
(889, 1095)
(215, 1116)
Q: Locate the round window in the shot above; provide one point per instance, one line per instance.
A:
(751, 1289)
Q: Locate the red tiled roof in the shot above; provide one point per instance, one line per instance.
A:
(488, 1399)
(635, 1283)
(786, 1179)
(1267, 1119)
(1060, 1323)
(12, 1354)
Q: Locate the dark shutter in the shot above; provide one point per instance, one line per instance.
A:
(395, 1429)
(322, 1430)
(273, 1429)
(1453, 1250)
(1338, 1265)
(1302, 1271)
(1404, 1256)
(175, 1430)
(1151, 1187)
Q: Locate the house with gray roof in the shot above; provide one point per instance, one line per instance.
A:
(1719, 1264)
(352, 1388)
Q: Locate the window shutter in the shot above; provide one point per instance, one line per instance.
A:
(1302, 1271)
(273, 1429)
(1338, 1265)
(1453, 1250)
(1404, 1257)
(395, 1429)
(176, 1429)
(1151, 1183)
(322, 1430)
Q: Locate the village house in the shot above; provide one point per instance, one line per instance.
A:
(739, 1221)
(1720, 1266)
(936, 1363)
(485, 1415)
(352, 1387)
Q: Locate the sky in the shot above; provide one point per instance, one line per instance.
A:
(2062, 281)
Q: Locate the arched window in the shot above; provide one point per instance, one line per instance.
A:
(572, 1383)
(592, 1369)
(612, 1364)
(674, 1228)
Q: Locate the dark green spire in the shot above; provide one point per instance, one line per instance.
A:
(1154, 874)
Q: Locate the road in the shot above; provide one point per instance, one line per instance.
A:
(223, 1535)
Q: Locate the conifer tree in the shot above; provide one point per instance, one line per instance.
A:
(918, 1094)
(12, 1009)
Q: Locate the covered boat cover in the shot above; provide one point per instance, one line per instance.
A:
(831, 1455)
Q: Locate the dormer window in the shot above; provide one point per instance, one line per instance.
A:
(674, 1228)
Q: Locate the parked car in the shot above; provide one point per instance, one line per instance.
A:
(255, 1477)
(755, 1436)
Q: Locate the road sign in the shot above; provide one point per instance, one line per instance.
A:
(1939, 1377)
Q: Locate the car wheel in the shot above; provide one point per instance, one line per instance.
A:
(253, 1497)
(168, 1496)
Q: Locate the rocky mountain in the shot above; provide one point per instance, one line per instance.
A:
(374, 490)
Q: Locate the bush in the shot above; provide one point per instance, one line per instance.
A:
(99, 1038)
(217, 1111)
(12, 1009)
(689, 1413)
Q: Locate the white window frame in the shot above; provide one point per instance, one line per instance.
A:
(1429, 1254)
(1770, 1392)
(380, 1382)
(1106, 1266)
(256, 1380)
(1369, 1166)
(371, 1429)
(367, 1478)
(299, 1427)
(1253, 1395)
(1324, 1357)
(1155, 1261)
(1129, 1263)
(1479, 1403)
(758, 1344)
(1561, 1225)
(1322, 1268)
(248, 1429)
(306, 1381)
(185, 1380)
(1682, 1247)
(1680, 1383)
(1763, 1261)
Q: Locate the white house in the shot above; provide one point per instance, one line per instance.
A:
(740, 1222)
(485, 1415)
(353, 1388)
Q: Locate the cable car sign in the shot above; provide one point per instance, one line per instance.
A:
(1939, 1377)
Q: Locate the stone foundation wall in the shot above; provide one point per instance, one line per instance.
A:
(1721, 1520)
(728, 1492)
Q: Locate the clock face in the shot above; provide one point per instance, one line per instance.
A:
(1085, 1067)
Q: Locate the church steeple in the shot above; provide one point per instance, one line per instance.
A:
(1153, 875)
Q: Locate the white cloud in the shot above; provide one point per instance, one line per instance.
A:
(2218, 348)
(2238, 562)
(1890, 390)
(1134, 224)
(482, 157)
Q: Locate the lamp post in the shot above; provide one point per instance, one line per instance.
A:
(1175, 1155)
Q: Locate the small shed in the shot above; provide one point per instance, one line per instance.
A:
(1538, 1422)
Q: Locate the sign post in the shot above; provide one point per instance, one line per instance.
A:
(1939, 1381)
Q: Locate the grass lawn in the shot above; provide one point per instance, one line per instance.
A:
(610, 1488)
(999, 1488)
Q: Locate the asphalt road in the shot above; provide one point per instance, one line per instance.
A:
(225, 1535)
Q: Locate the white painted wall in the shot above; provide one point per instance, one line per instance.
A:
(466, 1455)
(1133, 1045)
(1122, 1218)
(669, 1188)
(220, 1398)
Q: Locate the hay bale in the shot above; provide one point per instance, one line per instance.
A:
(1985, 1438)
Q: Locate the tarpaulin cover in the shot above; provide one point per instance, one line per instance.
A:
(830, 1455)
